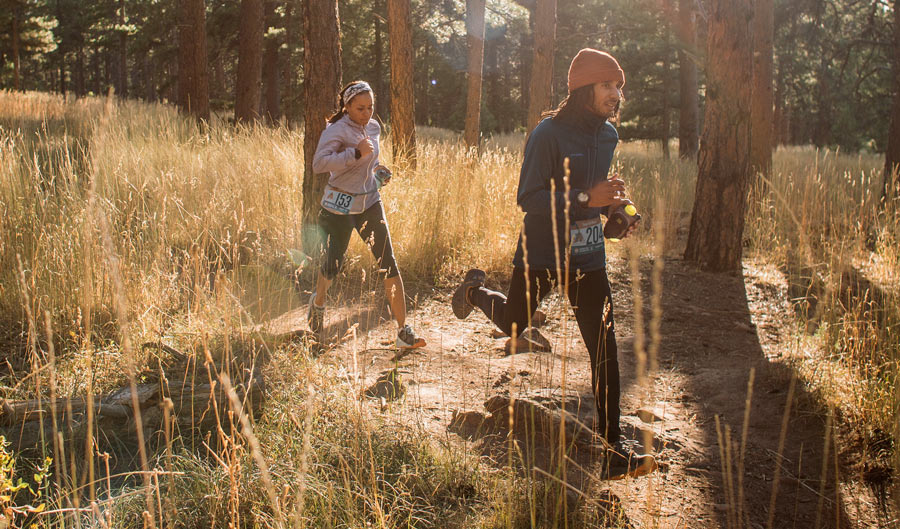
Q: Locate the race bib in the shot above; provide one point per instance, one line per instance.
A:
(342, 203)
(586, 236)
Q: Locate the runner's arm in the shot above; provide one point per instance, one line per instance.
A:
(332, 153)
(534, 195)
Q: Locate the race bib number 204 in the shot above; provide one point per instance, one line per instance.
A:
(586, 236)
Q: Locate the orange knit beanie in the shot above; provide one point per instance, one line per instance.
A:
(593, 66)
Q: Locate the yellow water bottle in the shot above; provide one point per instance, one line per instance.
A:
(619, 221)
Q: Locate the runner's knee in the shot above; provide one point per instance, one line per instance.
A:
(331, 268)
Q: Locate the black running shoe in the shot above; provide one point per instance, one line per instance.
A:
(621, 460)
(460, 302)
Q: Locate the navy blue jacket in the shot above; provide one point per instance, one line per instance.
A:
(589, 142)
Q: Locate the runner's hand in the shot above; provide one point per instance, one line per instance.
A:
(389, 173)
(608, 193)
(365, 146)
(631, 229)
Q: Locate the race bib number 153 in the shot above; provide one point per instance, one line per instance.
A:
(338, 202)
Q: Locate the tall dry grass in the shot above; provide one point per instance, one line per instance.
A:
(191, 229)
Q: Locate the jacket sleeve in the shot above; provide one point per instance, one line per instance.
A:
(541, 156)
(332, 154)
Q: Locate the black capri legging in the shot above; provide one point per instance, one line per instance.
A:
(334, 231)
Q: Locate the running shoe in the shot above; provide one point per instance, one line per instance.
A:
(407, 339)
(621, 460)
(462, 307)
(315, 316)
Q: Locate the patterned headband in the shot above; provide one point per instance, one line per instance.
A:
(354, 90)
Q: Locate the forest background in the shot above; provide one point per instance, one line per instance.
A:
(832, 64)
(127, 220)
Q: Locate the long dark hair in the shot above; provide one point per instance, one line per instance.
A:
(341, 103)
(577, 103)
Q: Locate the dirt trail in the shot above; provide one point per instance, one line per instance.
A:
(715, 329)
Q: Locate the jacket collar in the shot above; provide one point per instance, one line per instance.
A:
(346, 119)
(583, 121)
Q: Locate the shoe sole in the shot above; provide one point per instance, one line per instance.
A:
(642, 470)
(461, 306)
(419, 343)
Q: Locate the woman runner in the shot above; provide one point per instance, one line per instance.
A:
(348, 150)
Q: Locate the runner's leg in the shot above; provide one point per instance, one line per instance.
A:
(373, 228)
(591, 298)
(334, 233)
(516, 307)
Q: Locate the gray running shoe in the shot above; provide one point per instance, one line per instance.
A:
(315, 316)
(460, 302)
(407, 339)
(622, 460)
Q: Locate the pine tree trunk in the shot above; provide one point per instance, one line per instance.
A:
(689, 118)
(778, 117)
(193, 79)
(666, 89)
(122, 58)
(717, 220)
(150, 78)
(475, 39)
(322, 64)
(95, 68)
(425, 96)
(891, 187)
(378, 50)
(271, 69)
(526, 56)
(288, 73)
(250, 51)
(15, 49)
(80, 86)
(403, 127)
(539, 91)
(185, 56)
(821, 135)
(492, 75)
(762, 106)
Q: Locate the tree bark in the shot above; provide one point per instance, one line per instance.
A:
(193, 78)
(475, 39)
(271, 69)
(378, 50)
(717, 220)
(150, 78)
(288, 74)
(122, 56)
(250, 51)
(891, 187)
(526, 56)
(492, 76)
(15, 48)
(778, 117)
(403, 125)
(665, 125)
(762, 106)
(322, 60)
(689, 118)
(80, 87)
(539, 91)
